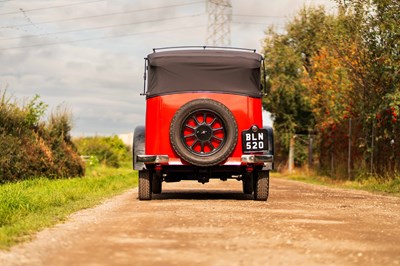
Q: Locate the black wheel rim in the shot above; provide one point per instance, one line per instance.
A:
(203, 133)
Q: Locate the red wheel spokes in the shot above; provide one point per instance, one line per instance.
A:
(203, 133)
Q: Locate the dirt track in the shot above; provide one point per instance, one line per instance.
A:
(215, 224)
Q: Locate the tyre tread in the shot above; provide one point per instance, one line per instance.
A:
(261, 185)
(144, 185)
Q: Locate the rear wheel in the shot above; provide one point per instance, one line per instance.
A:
(261, 185)
(144, 185)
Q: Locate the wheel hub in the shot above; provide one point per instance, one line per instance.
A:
(203, 133)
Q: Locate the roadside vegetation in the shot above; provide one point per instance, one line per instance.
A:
(108, 151)
(32, 146)
(335, 77)
(29, 206)
(383, 185)
(42, 174)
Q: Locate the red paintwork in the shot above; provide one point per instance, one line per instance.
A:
(161, 109)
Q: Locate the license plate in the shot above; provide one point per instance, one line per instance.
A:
(254, 140)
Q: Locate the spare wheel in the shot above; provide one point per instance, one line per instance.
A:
(203, 132)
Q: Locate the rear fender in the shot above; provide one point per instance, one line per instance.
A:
(270, 131)
(270, 151)
(139, 137)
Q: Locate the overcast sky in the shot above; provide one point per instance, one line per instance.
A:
(88, 55)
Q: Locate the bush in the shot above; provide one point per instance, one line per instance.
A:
(31, 147)
(109, 151)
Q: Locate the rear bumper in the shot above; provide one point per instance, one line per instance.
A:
(266, 160)
(257, 158)
(153, 159)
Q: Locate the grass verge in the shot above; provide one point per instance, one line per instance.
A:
(388, 186)
(29, 206)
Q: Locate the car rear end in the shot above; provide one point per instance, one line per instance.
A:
(203, 120)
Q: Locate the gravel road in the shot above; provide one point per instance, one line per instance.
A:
(215, 224)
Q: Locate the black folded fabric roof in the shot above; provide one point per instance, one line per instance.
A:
(223, 71)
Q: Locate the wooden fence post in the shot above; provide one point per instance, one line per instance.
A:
(291, 154)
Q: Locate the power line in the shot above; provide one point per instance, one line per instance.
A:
(51, 7)
(100, 38)
(257, 16)
(100, 27)
(101, 15)
(254, 23)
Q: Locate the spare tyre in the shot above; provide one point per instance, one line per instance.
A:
(203, 132)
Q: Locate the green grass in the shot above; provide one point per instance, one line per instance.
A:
(387, 186)
(29, 206)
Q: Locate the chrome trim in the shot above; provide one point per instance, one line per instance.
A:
(268, 166)
(267, 160)
(257, 158)
(152, 158)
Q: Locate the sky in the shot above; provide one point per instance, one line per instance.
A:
(87, 55)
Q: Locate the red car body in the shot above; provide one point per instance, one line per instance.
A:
(245, 109)
(203, 120)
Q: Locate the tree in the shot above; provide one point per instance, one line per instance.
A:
(327, 69)
(288, 59)
(376, 78)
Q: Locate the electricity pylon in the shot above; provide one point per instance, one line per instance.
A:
(219, 22)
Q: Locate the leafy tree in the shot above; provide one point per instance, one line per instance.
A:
(376, 78)
(327, 69)
(290, 109)
(288, 59)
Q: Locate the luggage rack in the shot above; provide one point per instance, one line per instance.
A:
(204, 47)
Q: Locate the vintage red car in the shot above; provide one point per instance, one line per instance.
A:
(203, 120)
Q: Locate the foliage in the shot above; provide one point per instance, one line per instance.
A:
(110, 151)
(31, 147)
(35, 110)
(389, 185)
(290, 110)
(340, 67)
(31, 205)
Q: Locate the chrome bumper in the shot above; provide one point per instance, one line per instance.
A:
(152, 158)
(267, 160)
